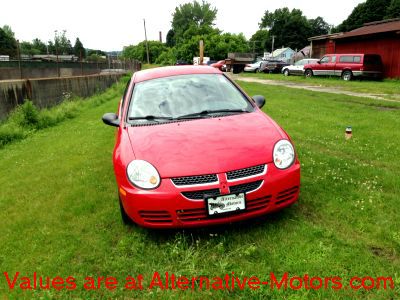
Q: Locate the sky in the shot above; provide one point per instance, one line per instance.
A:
(111, 25)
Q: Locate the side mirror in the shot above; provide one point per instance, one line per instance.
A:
(259, 100)
(319, 62)
(111, 119)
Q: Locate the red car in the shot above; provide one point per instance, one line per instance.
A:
(192, 149)
(218, 65)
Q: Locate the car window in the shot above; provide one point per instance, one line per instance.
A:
(185, 94)
(300, 63)
(333, 58)
(325, 60)
(124, 97)
(350, 59)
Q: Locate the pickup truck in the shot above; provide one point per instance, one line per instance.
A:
(346, 66)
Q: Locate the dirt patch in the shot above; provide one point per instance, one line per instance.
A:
(313, 88)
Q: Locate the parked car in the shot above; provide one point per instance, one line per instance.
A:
(347, 66)
(272, 66)
(218, 64)
(253, 67)
(180, 62)
(192, 149)
(298, 67)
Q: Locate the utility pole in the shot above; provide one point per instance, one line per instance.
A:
(147, 45)
(273, 42)
(56, 46)
(19, 59)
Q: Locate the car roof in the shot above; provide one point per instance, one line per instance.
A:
(172, 71)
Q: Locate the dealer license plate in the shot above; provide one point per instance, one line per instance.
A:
(226, 203)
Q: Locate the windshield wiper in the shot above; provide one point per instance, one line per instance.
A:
(150, 118)
(208, 112)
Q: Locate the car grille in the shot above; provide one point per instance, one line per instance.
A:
(286, 195)
(155, 216)
(198, 195)
(245, 187)
(247, 172)
(193, 180)
(200, 214)
(213, 178)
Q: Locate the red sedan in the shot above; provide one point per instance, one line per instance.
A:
(218, 65)
(193, 149)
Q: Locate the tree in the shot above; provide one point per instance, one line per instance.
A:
(79, 50)
(369, 11)
(393, 11)
(170, 40)
(28, 49)
(39, 46)
(62, 44)
(318, 26)
(139, 51)
(7, 29)
(192, 14)
(260, 41)
(8, 44)
(290, 28)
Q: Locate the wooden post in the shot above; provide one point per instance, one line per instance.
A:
(201, 45)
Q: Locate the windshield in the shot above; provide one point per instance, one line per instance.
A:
(176, 96)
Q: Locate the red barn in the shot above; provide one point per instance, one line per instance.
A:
(382, 37)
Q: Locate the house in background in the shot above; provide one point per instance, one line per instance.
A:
(284, 54)
(382, 37)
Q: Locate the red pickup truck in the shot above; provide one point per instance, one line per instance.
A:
(347, 66)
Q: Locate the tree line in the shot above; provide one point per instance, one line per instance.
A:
(194, 21)
(59, 45)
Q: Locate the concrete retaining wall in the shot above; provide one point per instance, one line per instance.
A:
(48, 92)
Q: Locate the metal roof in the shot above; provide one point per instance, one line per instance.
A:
(373, 28)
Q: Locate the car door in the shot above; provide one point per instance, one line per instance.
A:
(326, 66)
(298, 67)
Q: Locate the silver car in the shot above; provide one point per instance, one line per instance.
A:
(253, 67)
(298, 67)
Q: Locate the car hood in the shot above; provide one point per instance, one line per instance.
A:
(204, 146)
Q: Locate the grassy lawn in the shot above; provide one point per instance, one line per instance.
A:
(60, 217)
(388, 87)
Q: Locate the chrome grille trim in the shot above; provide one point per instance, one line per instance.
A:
(246, 173)
(197, 180)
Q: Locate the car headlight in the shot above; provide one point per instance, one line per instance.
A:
(283, 154)
(143, 175)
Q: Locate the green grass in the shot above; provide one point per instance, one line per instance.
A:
(59, 211)
(27, 119)
(389, 88)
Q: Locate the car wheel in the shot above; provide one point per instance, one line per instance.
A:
(347, 75)
(124, 216)
(286, 72)
(308, 73)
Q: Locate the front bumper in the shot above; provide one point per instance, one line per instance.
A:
(167, 207)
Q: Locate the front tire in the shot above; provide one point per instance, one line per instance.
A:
(286, 72)
(347, 75)
(308, 73)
